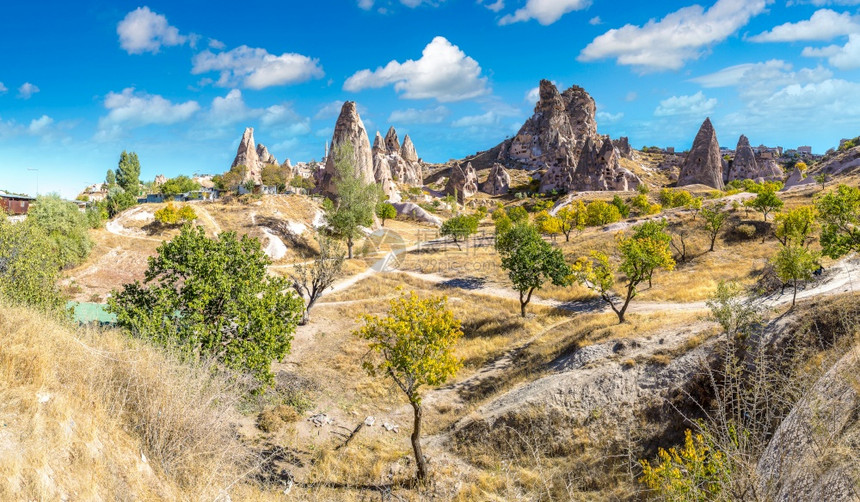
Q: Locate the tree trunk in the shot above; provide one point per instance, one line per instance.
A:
(349, 247)
(416, 443)
(305, 316)
(794, 297)
(524, 302)
(713, 240)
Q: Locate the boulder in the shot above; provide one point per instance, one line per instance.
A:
(703, 164)
(499, 181)
(247, 156)
(349, 129)
(462, 182)
(416, 212)
(382, 176)
(392, 144)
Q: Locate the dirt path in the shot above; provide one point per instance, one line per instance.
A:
(202, 211)
(116, 227)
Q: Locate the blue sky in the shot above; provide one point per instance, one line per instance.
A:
(178, 81)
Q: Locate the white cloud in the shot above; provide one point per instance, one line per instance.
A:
(846, 57)
(822, 3)
(135, 109)
(680, 36)
(415, 116)
(256, 68)
(3, 88)
(27, 90)
(443, 72)
(631, 96)
(829, 100)
(216, 44)
(365, 4)
(609, 118)
(824, 24)
(231, 109)
(494, 6)
(756, 81)
(485, 119)
(545, 11)
(532, 96)
(39, 125)
(595, 21)
(697, 105)
(145, 31)
(368, 4)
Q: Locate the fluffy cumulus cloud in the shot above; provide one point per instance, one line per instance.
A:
(494, 6)
(545, 12)
(27, 90)
(829, 100)
(40, 125)
(843, 57)
(255, 68)
(415, 116)
(696, 105)
(444, 72)
(824, 24)
(368, 4)
(142, 30)
(677, 38)
(232, 109)
(609, 118)
(485, 119)
(134, 109)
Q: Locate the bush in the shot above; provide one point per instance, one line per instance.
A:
(696, 471)
(599, 213)
(171, 216)
(745, 231)
(29, 269)
(66, 228)
(675, 198)
(212, 298)
(178, 185)
(623, 208)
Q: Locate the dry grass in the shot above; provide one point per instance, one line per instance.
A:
(91, 415)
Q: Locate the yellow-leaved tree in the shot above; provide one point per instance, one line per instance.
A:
(413, 345)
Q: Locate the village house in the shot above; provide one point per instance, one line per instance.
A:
(13, 204)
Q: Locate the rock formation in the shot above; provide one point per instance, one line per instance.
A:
(703, 164)
(407, 151)
(160, 180)
(562, 138)
(746, 166)
(247, 156)
(349, 129)
(392, 144)
(499, 181)
(378, 146)
(462, 182)
(264, 155)
(622, 144)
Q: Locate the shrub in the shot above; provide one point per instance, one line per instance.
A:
(29, 269)
(459, 228)
(65, 226)
(171, 216)
(745, 231)
(600, 213)
(696, 471)
(623, 208)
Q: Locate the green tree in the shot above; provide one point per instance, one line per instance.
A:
(548, 224)
(822, 179)
(794, 227)
(459, 228)
(29, 267)
(839, 212)
(353, 206)
(572, 217)
(66, 227)
(694, 206)
(530, 261)
(518, 214)
(793, 264)
(385, 211)
(414, 346)
(641, 254)
(311, 280)
(713, 220)
(623, 208)
(171, 216)
(599, 213)
(118, 201)
(212, 298)
(128, 172)
(766, 202)
(178, 185)
(110, 178)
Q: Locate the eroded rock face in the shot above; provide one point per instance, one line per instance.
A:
(392, 144)
(622, 144)
(247, 156)
(703, 164)
(562, 138)
(378, 146)
(499, 181)
(462, 182)
(349, 129)
(407, 151)
(160, 180)
(264, 155)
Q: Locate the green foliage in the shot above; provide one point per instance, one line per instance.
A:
(623, 208)
(311, 280)
(128, 172)
(795, 263)
(414, 347)
(794, 227)
(713, 220)
(640, 203)
(459, 228)
(212, 298)
(29, 267)
(645, 251)
(694, 206)
(745, 231)
(736, 312)
(675, 198)
(178, 185)
(118, 201)
(385, 211)
(530, 261)
(698, 471)
(572, 217)
(354, 205)
(541, 205)
(110, 178)
(643, 189)
(502, 220)
(518, 214)
(599, 213)
(548, 224)
(766, 202)
(839, 212)
(276, 176)
(65, 226)
(302, 182)
(95, 216)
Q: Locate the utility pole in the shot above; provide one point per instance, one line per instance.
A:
(37, 178)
